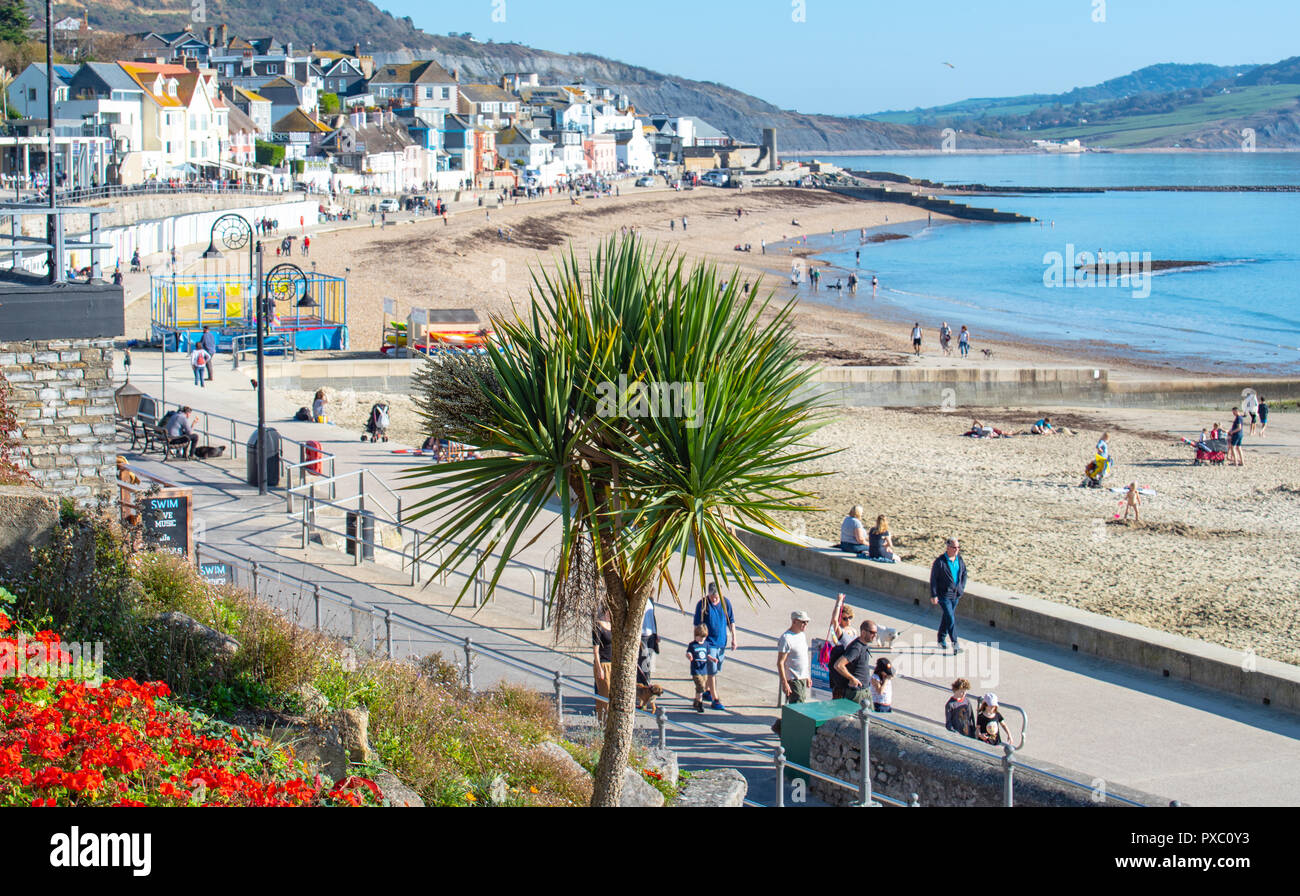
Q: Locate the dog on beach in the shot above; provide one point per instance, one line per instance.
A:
(988, 353)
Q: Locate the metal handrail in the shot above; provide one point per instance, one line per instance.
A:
(232, 438)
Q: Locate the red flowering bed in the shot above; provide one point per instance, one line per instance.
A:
(122, 743)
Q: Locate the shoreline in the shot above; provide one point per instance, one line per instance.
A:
(1087, 352)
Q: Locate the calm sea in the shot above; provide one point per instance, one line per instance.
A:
(1242, 313)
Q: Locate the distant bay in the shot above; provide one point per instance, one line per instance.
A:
(1239, 314)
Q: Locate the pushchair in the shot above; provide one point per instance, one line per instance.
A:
(377, 423)
(1210, 451)
(1097, 468)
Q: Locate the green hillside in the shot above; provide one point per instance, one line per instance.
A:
(1245, 104)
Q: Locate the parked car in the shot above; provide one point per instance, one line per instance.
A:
(646, 181)
(389, 205)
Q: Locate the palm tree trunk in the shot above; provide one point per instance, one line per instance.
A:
(620, 722)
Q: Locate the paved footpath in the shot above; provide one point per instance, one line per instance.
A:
(1102, 719)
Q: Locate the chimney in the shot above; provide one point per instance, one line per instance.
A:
(221, 34)
(288, 49)
(189, 28)
(356, 50)
(312, 48)
(191, 63)
(209, 32)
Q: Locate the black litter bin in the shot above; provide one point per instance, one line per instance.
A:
(366, 520)
(272, 458)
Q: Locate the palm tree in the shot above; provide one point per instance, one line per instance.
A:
(664, 416)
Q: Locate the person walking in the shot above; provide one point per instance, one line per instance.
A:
(963, 341)
(702, 665)
(602, 658)
(792, 661)
(1250, 404)
(1263, 415)
(209, 343)
(916, 338)
(875, 282)
(945, 339)
(198, 363)
(1235, 433)
(714, 611)
(683, 223)
(947, 584)
(853, 667)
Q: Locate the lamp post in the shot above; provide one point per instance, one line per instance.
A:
(234, 232)
(281, 283)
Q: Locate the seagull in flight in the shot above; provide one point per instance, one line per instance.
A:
(950, 65)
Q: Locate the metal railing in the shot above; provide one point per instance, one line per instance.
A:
(559, 680)
(277, 343)
(157, 188)
(218, 434)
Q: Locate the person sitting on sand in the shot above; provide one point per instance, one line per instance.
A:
(318, 407)
(1043, 427)
(1133, 500)
(880, 543)
(853, 533)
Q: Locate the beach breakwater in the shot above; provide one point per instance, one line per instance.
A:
(932, 204)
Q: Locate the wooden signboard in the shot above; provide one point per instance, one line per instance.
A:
(169, 520)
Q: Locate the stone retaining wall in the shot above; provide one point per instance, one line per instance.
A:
(63, 399)
(903, 763)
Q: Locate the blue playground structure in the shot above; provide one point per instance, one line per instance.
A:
(182, 305)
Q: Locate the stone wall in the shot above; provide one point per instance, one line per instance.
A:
(63, 399)
(903, 763)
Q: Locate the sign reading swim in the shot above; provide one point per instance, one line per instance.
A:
(651, 399)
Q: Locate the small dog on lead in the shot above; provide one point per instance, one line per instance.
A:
(207, 452)
(988, 353)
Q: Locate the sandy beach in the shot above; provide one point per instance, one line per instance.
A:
(1203, 563)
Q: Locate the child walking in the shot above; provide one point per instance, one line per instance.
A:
(702, 664)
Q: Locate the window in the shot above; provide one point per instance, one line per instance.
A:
(31, 94)
(446, 93)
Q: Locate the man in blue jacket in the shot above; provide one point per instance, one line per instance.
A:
(947, 584)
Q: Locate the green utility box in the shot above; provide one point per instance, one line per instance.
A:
(800, 721)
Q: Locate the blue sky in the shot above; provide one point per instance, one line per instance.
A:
(851, 56)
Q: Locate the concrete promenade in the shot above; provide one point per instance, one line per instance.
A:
(1110, 723)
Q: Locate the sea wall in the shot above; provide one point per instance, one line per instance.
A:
(992, 609)
(955, 388)
(377, 375)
